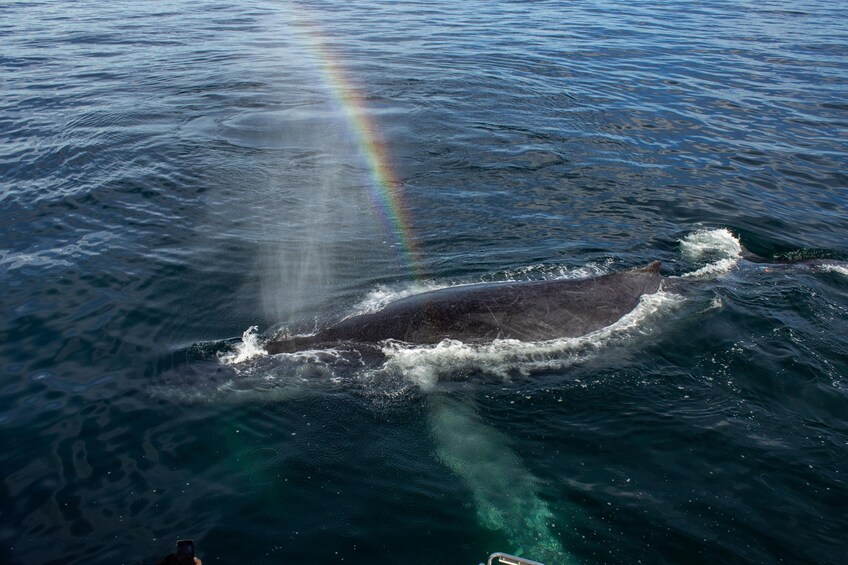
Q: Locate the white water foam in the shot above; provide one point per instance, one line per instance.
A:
(833, 268)
(553, 272)
(249, 348)
(719, 246)
(382, 296)
(714, 269)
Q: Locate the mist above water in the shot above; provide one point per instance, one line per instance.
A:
(300, 253)
(319, 225)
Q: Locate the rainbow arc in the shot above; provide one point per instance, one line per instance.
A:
(384, 188)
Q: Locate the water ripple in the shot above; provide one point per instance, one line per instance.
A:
(173, 174)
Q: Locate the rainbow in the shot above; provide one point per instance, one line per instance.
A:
(384, 188)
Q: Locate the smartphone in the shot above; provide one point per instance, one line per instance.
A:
(185, 549)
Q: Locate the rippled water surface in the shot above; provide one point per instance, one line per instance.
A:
(172, 174)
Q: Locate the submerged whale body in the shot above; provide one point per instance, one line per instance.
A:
(526, 311)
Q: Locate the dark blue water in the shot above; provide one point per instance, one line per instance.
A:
(172, 174)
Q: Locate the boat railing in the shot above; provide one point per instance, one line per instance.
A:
(500, 558)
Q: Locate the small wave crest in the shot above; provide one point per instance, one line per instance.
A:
(382, 296)
(833, 268)
(719, 248)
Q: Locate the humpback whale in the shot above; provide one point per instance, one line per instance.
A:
(526, 311)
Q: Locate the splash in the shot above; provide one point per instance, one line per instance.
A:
(719, 246)
(249, 348)
(383, 295)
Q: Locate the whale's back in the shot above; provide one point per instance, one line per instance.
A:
(527, 311)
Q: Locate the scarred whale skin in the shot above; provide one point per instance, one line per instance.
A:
(527, 311)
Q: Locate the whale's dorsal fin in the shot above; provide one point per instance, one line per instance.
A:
(651, 268)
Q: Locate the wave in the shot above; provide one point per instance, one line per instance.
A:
(720, 247)
(833, 268)
(88, 245)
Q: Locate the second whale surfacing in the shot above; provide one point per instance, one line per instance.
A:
(479, 313)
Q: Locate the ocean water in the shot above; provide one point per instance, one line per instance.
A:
(179, 181)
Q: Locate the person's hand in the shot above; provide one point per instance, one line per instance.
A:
(197, 561)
